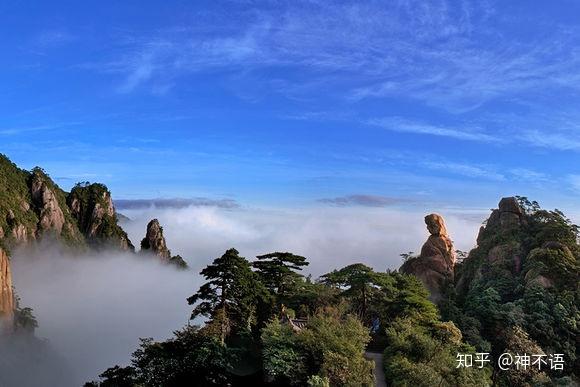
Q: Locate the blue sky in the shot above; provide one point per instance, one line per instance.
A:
(297, 102)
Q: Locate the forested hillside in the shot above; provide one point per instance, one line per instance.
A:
(266, 324)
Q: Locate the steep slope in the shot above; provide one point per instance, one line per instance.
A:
(54, 216)
(6, 292)
(522, 281)
(18, 222)
(92, 208)
(33, 207)
(154, 243)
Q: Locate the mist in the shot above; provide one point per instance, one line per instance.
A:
(330, 237)
(92, 309)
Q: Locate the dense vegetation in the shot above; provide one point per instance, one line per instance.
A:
(523, 287)
(273, 326)
(32, 204)
(14, 198)
(266, 324)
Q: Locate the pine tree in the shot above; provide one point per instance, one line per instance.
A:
(277, 271)
(230, 295)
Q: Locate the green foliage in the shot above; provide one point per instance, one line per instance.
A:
(529, 281)
(420, 354)
(335, 344)
(557, 263)
(307, 296)
(231, 295)
(517, 341)
(406, 296)
(330, 346)
(24, 319)
(15, 198)
(189, 356)
(361, 285)
(284, 358)
(179, 262)
(277, 271)
(318, 381)
(116, 377)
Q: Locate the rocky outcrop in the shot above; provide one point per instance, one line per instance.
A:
(6, 292)
(51, 216)
(507, 217)
(154, 244)
(92, 208)
(434, 266)
(154, 241)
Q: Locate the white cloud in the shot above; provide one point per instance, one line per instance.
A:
(475, 171)
(528, 175)
(398, 124)
(574, 181)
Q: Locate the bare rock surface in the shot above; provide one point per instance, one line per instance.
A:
(6, 293)
(154, 241)
(51, 216)
(434, 266)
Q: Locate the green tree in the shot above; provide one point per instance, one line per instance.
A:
(229, 297)
(360, 284)
(335, 346)
(424, 355)
(278, 271)
(189, 357)
(284, 358)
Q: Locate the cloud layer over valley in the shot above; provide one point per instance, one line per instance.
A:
(94, 308)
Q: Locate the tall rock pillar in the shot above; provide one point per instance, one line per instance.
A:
(6, 292)
(434, 266)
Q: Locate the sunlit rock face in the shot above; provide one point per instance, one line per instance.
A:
(434, 266)
(6, 293)
(154, 241)
(92, 208)
(51, 215)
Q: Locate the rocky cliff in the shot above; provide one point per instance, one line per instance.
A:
(33, 207)
(154, 243)
(6, 292)
(521, 244)
(92, 207)
(435, 265)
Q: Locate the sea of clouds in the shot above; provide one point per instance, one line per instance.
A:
(93, 308)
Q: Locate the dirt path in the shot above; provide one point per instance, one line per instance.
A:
(380, 380)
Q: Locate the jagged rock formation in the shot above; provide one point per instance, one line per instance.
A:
(154, 243)
(523, 272)
(49, 204)
(33, 207)
(507, 217)
(92, 207)
(504, 254)
(434, 266)
(6, 292)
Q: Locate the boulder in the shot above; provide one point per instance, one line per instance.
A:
(510, 204)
